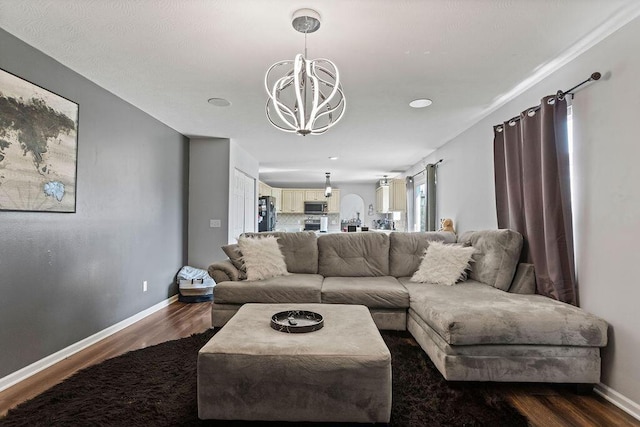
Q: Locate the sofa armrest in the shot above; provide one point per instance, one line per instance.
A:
(224, 271)
(524, 281)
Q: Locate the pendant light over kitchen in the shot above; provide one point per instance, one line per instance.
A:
(327, 186)
(308, 98)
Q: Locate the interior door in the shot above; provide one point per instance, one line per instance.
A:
(250, 204)
(244, 215)
(237, 206)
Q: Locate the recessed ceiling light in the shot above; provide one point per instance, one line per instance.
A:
(219, 102)
(333, 158)
(420, 103)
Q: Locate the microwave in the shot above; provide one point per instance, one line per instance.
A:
(315, 208)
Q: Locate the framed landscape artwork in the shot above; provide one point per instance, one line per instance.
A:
(38, 148)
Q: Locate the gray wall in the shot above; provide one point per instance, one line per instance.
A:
(607, 199)
(209, 187)
(64, 277)
(212, 162)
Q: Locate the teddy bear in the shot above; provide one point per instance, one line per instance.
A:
(446, 224)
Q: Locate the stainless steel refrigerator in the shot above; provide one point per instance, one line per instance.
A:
(266, 213)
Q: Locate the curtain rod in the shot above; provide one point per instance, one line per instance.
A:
(593, 77)
(422, 171)
(561, 94)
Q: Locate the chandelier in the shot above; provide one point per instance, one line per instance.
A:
(306, 98)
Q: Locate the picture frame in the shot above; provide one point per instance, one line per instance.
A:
(38, 147)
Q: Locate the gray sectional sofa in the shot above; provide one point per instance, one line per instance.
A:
(490, 327)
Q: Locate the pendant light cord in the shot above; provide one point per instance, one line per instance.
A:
(305, 81)
(305, 44)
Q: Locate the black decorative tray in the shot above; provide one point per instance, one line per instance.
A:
(297, 321)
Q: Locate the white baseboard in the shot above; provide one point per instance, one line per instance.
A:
(34, 368)
(627, 405)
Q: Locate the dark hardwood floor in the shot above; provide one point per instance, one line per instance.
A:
(543, 405)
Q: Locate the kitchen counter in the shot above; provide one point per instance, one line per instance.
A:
(319, 233)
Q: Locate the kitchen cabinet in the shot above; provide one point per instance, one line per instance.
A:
(277, 193)
(263, 189)
(313, 195)
(398, 195)
(333, 202)
(382, 199)
(287, 201)
(292, 201)
(392, 198)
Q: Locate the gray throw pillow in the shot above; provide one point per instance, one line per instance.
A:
(235, 256)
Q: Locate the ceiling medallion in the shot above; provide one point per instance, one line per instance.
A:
(308, 97)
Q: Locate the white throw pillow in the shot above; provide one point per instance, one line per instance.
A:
(443, 264)
(262, 257)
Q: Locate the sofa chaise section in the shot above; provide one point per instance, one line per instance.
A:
(492, 327)
(474, 332)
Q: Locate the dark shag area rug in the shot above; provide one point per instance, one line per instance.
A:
(156, 386)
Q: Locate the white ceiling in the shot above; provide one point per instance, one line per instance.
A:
(167, 57)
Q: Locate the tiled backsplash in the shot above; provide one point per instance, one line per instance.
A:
(295, 222)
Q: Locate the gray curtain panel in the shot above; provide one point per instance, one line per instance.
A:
(533, 195)
(410, 203)
(431, 197)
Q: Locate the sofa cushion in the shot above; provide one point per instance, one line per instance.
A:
(473, 313)
(300, 250)
(285, 289)
(363, 254)
(496, 258)
(407, 248)
(374, 292)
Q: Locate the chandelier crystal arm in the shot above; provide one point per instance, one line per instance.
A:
(316, 65)
(333, 110)
(281, 108)
(299, 89)
(292, 130)
(313, 80)
(341, 100)
(277, 64)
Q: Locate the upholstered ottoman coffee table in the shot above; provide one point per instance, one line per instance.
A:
(340, 373)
